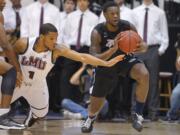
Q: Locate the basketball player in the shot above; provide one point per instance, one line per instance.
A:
(106, 78)
(36, 56)
(11, 75)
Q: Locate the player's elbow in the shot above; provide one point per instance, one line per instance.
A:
(74, 82)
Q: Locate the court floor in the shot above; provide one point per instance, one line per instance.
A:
(72, 127)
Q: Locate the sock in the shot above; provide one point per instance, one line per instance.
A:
(92, 117)
(4, 111)
(139, 107)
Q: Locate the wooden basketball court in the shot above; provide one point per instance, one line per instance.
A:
(72, 127)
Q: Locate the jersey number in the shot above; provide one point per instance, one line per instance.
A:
(31, 74)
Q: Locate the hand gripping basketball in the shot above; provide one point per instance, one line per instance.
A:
(128, 41)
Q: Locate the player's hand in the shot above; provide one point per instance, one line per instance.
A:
(141, 48)
(19, 79)
(115, 60)
(112, 44)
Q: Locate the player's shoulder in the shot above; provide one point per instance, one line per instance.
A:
(21, 45)
(123, 23)
(100, 27)
(22, 40)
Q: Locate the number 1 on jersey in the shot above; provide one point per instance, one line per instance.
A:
(31, 74)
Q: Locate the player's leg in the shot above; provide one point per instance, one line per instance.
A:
(102, 86)
(8, 83)
(139, 73)
(39, 104)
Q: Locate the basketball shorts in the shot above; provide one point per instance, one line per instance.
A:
(36, 96)
(106, 79)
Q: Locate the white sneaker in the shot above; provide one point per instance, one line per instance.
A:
(69, 115)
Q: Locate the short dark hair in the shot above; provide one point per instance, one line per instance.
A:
(109, 4)
(46, 28)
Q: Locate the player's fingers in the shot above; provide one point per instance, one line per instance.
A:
(120, 57)
(115, 60)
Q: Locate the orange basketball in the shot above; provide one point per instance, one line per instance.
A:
(128, 41)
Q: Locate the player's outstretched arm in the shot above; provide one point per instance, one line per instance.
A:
(85, 58)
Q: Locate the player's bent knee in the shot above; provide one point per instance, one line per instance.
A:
(142, 74)
(8, 82)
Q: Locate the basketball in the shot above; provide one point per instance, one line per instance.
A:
(128, 41)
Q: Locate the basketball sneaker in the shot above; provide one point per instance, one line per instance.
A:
(29, 121)
(137, 122)
(8, 123)
(87, 125)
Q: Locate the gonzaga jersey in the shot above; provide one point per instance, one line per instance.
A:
(107, 36)
(35, 66)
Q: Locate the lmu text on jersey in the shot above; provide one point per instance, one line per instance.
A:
(33, 61)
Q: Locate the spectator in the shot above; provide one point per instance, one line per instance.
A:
(77, 35)
(84, 82)
(175, 97)
(150, 22)
(43, 12)
(69, 6)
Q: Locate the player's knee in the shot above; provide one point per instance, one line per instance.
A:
(9, 82)
(143, 75)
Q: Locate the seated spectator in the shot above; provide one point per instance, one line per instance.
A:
(84, 81)
(175, 97)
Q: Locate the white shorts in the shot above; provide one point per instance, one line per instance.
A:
(36, 96)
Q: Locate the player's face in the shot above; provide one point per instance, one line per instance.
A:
(69, 6)
(83, 4)
(50, 40)
(112, 15)
(2, 4)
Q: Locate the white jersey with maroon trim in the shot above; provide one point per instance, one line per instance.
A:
(35, 66)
